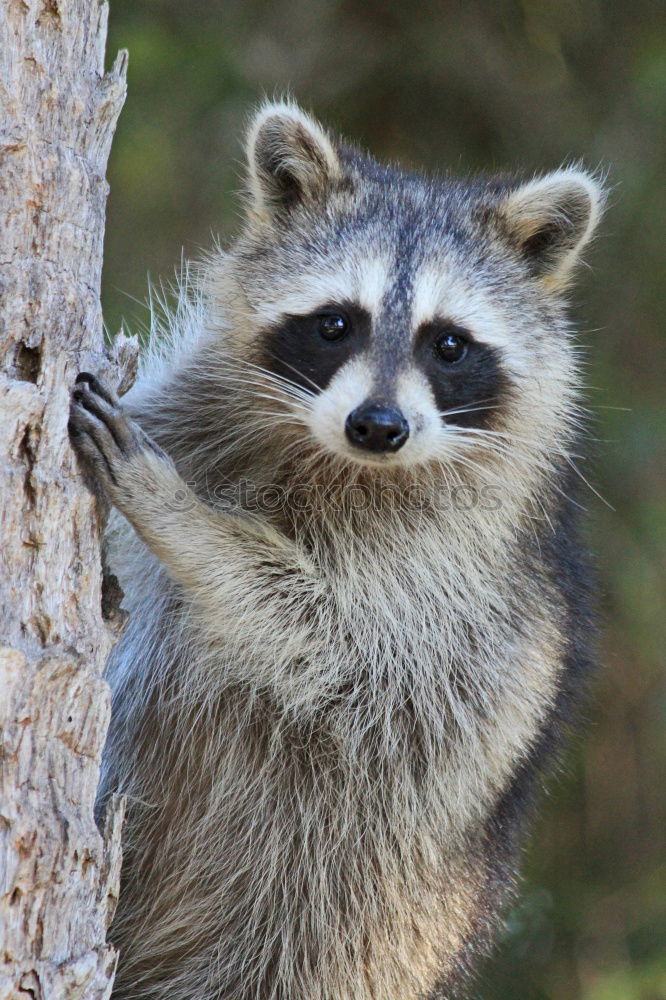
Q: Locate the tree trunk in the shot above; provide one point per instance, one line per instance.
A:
(58, 875)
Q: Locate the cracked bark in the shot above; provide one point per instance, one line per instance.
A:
(58, 873)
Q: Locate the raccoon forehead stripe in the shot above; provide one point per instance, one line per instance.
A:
(430, 286)
(362, 282)
(372, 276)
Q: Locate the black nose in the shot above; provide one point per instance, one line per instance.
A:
(377, 427)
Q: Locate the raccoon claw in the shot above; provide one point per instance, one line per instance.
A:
(85, 378)
(103, 437)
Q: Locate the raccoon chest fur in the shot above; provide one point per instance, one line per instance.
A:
(335, 793)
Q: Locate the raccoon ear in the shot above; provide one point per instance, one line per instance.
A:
(290, 158)
(551, 219)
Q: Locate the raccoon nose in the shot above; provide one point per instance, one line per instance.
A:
(377, 427)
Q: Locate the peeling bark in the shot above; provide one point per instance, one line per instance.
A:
(58, 873)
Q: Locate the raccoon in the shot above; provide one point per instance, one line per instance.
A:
(358, 602)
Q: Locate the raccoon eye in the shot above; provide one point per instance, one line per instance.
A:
(333, 326)
(451, 347)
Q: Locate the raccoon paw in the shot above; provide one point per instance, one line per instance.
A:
(104, 438)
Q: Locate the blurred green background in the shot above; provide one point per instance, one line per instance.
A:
(466, 87)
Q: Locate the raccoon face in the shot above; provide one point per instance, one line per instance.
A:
(411, 319)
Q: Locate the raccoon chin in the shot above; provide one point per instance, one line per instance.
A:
(408, 465)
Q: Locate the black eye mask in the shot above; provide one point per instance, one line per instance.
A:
(301, 349)
(473, 381)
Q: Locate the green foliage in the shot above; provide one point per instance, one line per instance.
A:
(465, 87)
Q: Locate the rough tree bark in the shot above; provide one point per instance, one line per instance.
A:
(58, 875)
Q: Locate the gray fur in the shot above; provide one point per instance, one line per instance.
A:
(321, 715)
